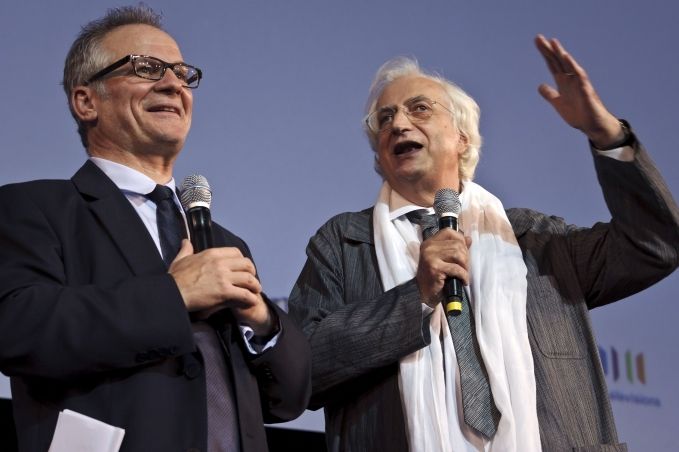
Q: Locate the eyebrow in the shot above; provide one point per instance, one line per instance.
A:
(414, 100)
(407, 102)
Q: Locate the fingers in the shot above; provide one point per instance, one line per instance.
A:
(558, 60)
(548, 93)
(258, 316)
(568, 64)
(447, 245)
(217, 276)
(438, 270)
(445, 255)
(237, 278)
(547, 52)
(185, 250)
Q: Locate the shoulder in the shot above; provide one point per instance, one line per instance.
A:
(354, 225)
(224, 237)
(527, 220)
(39, 192)
(41, 185)
(346, 218)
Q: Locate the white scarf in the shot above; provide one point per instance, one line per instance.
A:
(498, 296)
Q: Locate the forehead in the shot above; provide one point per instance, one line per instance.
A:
(141, 40)
(404, 88)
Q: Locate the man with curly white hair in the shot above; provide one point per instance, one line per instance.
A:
(518, 369)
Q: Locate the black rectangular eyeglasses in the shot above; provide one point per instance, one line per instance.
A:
(152, 68)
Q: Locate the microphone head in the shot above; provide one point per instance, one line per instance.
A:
(446, 203)
(195, 192)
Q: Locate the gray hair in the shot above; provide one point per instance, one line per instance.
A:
(465, 110)
(86, 56)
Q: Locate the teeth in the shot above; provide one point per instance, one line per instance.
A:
(168, 109)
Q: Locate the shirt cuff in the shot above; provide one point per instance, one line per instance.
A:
(254, 344)
(623, 154)
(426, 309)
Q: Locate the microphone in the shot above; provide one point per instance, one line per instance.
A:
(196, 197)
(447, 208)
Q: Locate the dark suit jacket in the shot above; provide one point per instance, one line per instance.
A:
(358, 332)
(91, 321)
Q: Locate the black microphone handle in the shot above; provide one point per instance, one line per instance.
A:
(200, 225)
(452, 288)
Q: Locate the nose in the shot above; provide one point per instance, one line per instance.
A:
(169, 83)
(401, 122)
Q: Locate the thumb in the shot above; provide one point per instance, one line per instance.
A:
(548, 93)
(185, 250)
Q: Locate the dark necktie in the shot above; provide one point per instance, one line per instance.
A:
(478, 406)
(222, 417)
(171, 229)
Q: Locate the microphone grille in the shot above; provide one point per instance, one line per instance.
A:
(446, 200)
(195, 191)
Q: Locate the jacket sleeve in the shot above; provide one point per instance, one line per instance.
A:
(640, 245)
(355, 329)
(56, 328)
(282, 373)
(615, 259)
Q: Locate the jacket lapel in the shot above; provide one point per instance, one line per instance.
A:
(360, 227)
(521, 221)
(117, 216)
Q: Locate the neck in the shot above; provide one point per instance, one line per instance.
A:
(157, 167)
(421, 193)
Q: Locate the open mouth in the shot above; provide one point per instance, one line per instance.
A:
(406, 147)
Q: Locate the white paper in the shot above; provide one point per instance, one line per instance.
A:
(76, 432)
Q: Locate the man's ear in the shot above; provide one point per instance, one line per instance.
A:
(464, 143)
(83, 103)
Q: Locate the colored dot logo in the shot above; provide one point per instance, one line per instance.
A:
(633, 368)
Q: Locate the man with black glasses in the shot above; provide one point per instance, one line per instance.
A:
(104, 310)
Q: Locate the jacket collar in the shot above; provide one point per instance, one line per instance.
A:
(521, 220)
(360, 227)
(122, 223)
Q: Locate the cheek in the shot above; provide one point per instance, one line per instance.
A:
(381, 147)
(188, 102)
(382, 153)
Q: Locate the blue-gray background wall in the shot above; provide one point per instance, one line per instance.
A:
(277, 127)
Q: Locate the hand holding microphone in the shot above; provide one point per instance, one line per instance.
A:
(443, 266)
(447, 208)
(212, 278)
(206, 276)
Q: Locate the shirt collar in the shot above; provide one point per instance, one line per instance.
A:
(399, 206)
(128, 179)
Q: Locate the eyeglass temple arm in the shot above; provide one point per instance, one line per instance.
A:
(108, 69)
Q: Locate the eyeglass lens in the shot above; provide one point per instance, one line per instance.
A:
(417, 111)
(154, 69)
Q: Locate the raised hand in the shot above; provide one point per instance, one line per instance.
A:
(574, 98)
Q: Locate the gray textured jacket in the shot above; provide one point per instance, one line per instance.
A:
(358, 332)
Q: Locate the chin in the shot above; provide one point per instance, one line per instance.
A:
(169, 137)
(166, 146)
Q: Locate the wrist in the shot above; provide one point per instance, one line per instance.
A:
(266, 332)
(432, 300)
(623, 137)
